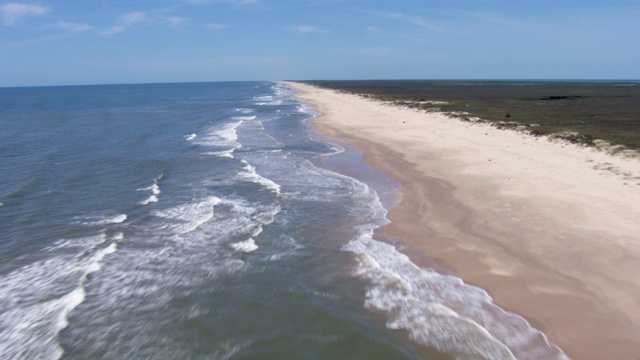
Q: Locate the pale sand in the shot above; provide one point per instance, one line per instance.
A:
(550, 230)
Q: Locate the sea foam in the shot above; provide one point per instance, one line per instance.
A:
(223, 136)
(186, 218)
(245, 246)
(154, 189)
(250, 174)
(38, 297)
(106, 220)
(442, 311)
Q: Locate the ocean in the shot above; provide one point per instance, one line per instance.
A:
(210, 221)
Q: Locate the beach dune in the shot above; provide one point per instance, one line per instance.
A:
(550, 230)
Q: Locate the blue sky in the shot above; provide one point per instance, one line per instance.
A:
(65, 42)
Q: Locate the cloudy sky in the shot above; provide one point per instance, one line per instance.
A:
(66, 42)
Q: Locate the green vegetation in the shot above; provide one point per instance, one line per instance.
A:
(580, 112)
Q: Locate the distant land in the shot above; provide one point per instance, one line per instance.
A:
(602, 113)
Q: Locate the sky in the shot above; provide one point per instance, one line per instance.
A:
(76, 42)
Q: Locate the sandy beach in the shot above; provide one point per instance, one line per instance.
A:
(550, 230)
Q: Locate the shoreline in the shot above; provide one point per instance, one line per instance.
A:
(548, 229)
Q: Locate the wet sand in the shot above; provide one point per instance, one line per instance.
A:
(550, 230)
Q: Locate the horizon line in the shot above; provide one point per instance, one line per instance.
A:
(585, 80)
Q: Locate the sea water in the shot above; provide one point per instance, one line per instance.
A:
(201, 221)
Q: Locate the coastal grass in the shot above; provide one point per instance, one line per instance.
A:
(601, 114)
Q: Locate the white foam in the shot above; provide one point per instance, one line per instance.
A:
(37, 298)
(270, 103)
(250, 174)
(223, 154)
(118, 237)
(282, 89)
(29, 332)
(244, 110)
(268, 99)
(258, 231)
(95, 265)
(155, 191)
(150, 199)
(245, 118)
(442, 311)
(188, 217)
(114, 219)
(250, 219)
(190, 137)
(154, 188)
(224, 135)
(246, 246)
(335, 150)
(118, 219)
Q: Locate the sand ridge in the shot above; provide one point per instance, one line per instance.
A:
(550, 230)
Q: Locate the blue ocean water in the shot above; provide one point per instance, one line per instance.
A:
(197, 221)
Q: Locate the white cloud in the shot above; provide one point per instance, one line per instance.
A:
(127, 20)
(12, 12)
(417, 20)
(305, 29)
(133, 17)
(113, 30)
(75, 27)
(175, 20)
(38, 40)
(216, 26)
(69, 30)
(373, 29)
